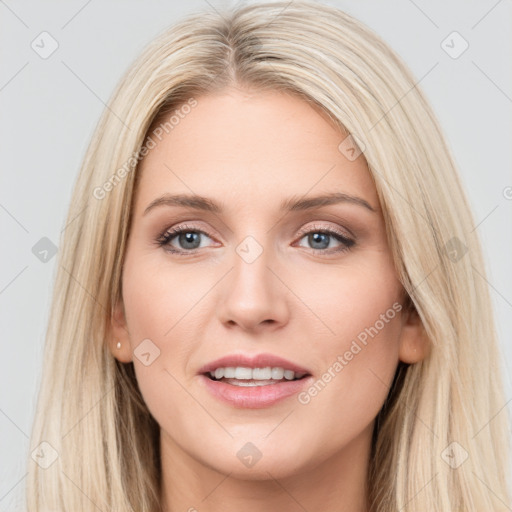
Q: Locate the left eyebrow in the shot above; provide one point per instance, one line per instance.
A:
(294, 204)
(197, 202)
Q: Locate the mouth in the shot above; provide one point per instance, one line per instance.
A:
(253, 381)
(254, 388)
(251, 377)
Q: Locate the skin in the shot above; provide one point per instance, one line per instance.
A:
(249, 150)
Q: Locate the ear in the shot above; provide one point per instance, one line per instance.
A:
(119, 334)
(414, 343)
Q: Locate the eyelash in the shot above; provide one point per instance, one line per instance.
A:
(169, 234)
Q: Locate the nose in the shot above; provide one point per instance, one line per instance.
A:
(252, 296)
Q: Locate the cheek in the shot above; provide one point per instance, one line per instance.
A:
(348, 298)
(163, 317)
(158, 299)
(347, 396)
(358, 352)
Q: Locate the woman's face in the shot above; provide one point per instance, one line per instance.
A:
(262, 266)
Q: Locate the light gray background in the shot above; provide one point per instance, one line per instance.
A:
(49, 108)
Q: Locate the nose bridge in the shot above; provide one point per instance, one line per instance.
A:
(251, 264)
(252, 294)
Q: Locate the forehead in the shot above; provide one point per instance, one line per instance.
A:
(251, 148)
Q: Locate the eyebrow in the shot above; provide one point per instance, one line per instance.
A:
(197, 202)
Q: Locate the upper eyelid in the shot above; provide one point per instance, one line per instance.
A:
(336, 230)
(181, 228)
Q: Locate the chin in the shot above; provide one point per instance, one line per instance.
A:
(249, 467)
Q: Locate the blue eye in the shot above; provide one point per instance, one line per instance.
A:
(321, 241)
(189, 240)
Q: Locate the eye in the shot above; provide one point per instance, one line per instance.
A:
(187, 239)
(325, 240)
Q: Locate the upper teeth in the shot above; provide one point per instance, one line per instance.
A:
(267, 373)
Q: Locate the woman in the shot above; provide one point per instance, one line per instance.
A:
(269, 297)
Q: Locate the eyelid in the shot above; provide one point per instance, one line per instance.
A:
(316, 227)
(179, 228)
(304, 230)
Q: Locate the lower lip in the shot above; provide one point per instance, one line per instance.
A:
(254, 397)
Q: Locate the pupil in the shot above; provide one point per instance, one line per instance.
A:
(189, 238)
(319, 238)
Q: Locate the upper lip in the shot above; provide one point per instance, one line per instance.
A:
(252, 361)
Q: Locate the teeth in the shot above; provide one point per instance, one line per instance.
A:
(277, 373)
(289, 374)
(244, 373)
(262, 373)
(229, 372)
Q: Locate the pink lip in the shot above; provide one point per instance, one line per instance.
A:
(256, 397)
(257, 361)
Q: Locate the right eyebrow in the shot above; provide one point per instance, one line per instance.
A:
(190, 201)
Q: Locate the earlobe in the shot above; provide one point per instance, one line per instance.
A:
(414, 343)
(119, 339)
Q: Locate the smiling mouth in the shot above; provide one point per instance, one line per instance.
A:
(250, 377)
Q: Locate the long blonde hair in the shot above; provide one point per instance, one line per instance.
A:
(440, 441)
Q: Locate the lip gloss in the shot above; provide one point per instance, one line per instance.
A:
(254, 397)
